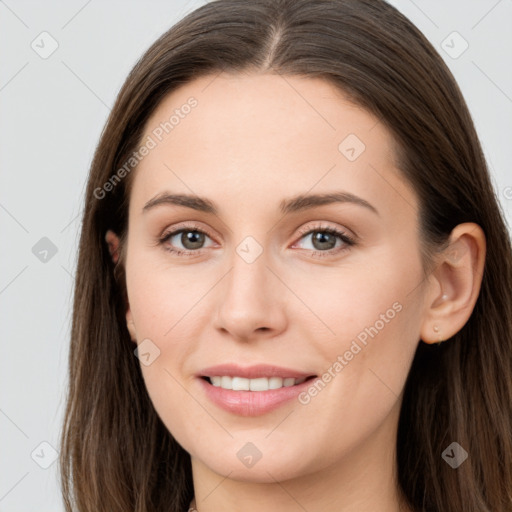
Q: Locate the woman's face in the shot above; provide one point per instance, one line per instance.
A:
(273, 275)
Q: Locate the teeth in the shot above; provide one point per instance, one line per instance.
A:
(259, 384)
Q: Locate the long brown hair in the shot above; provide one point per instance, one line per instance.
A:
(116, 454)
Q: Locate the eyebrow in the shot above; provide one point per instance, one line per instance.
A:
(295, 204)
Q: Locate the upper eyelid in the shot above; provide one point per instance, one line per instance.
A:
(322, 225)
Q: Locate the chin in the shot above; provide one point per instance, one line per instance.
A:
(272, 465)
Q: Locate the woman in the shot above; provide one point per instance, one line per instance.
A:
(294, 279)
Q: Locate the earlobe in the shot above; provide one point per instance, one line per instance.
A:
(113, 245)
(456, 284)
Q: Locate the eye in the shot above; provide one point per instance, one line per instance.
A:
(324, 240)
(191, 237)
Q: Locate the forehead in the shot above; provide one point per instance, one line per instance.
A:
(256, 134)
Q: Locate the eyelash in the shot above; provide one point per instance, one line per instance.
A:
(344, 237)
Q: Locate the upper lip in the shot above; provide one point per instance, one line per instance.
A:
(252, 372)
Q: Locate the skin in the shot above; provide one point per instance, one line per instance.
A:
(252, 141)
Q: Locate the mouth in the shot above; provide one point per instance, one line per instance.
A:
(252, 390)
(242, 396)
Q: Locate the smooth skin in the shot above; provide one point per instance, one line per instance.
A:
(252, 141)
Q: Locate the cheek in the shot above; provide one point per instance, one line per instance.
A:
(161, 303)
(370, 324)
(159, 296)
(354, 302)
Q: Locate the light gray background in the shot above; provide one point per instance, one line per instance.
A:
(52, 114)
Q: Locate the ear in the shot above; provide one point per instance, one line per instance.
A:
(454, 284)
(131, 326)
(113, 246)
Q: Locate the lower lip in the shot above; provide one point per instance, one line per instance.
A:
(251, 403)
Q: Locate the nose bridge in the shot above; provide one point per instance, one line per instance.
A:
(249, 299)
(248, 279)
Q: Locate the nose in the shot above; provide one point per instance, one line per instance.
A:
(251, 300)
